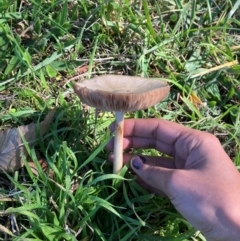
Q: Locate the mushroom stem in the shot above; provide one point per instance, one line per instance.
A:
(118, 143)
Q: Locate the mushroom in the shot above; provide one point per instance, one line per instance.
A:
(121, 93)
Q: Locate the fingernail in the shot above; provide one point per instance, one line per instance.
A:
(138, 161)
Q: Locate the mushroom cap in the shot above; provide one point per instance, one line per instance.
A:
(121, 93)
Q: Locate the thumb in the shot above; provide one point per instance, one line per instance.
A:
(157, 177)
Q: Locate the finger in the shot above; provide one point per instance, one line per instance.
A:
(126, 157)
(163, 130)
(143, 143)
(149, 188)
(150, 160)
(153, 161)
(151, 133)
(159, 178)
(165, 136)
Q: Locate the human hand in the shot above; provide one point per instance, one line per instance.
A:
(200, 179)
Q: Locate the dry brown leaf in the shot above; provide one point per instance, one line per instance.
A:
(44, 165)
(82, 69)
(195, 100)
(11, 142)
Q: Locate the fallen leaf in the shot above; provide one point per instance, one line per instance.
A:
(82, 69)
(196, 100)
(12, 146)
(44, 165)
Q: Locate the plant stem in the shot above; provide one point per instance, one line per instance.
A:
(118, 143)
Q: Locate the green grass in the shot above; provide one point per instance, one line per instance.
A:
(47, 45)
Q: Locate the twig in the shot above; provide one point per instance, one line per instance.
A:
(222, 66)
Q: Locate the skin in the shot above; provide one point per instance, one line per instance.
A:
(199, 178)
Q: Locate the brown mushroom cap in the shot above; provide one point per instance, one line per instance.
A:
(121, 93)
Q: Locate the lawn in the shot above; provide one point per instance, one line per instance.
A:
(66, 189)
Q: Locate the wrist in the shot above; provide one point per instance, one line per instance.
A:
(227, 228)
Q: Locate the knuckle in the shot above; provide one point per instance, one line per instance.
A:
(151, 174)
(152, 144)
(208, 139)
